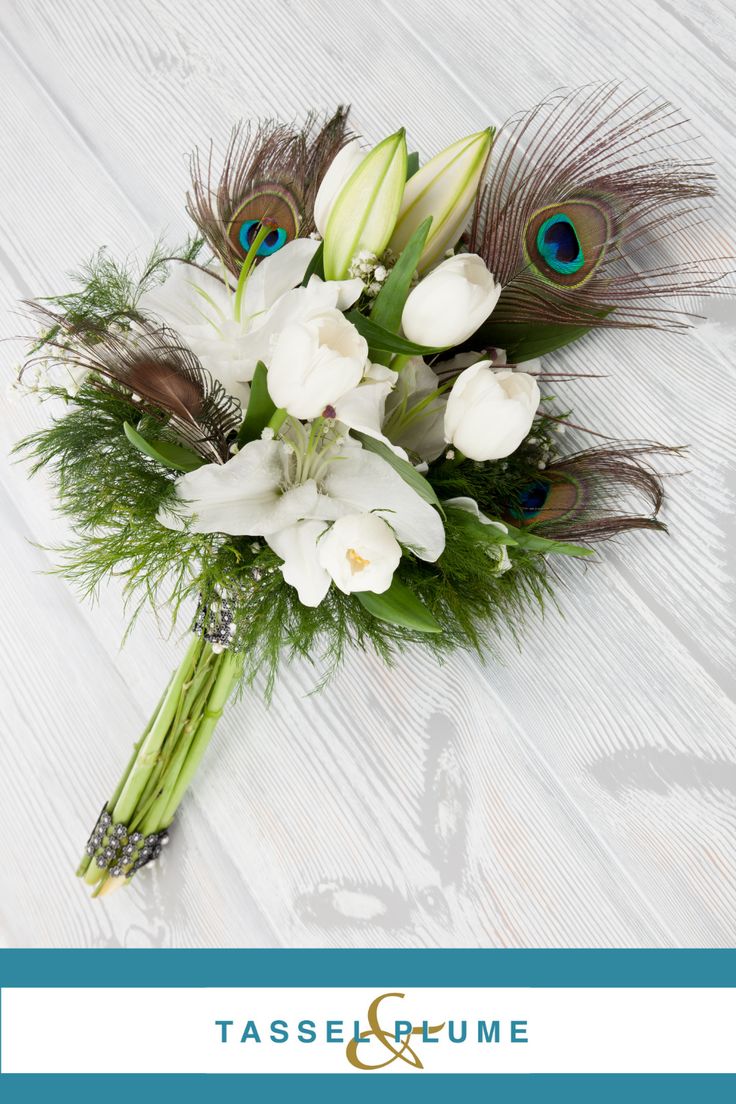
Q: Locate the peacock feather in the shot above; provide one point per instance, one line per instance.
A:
(585, 222)
(270, 177)
(594, 494)
(163, 374)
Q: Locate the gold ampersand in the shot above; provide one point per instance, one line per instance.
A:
(400, 1050)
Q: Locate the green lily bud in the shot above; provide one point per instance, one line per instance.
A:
(364, 213)
(444, 188)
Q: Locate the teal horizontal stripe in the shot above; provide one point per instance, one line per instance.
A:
(374, 968)
(365, 1089)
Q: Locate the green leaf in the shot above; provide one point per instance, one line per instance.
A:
(389, 303)
(399, 606)
(524, 538)
(379, 338)
(490, 534)
(165, 452)
(412, 164)
(261, 407)
(409, 474)
(316, 265)
(527, 340)
(518, 538)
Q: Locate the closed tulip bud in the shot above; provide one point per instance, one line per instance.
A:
(451, 302)
(489, 413)
(364, 213)
(444, 188)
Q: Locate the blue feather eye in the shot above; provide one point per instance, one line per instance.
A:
(270, 244)
(532, 498)
(559, 245)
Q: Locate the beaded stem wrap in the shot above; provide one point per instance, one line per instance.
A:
(118, 850)
(214, 622)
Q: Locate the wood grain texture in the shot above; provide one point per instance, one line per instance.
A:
(581, 792)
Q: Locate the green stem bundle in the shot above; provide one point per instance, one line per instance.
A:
(133, 825)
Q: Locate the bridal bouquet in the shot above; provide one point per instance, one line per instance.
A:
(324, 421)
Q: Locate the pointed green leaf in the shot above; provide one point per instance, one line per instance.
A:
(412, 164)
(528, 340)
(399, 606)
(389, 303)
(261, 407)
(316, 265)
(408, 473)
(519, 538)
(165, 452)
(379, 338)
(525, 538)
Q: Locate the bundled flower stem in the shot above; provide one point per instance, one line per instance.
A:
(132, 827)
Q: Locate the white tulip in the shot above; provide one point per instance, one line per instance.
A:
(342, 167)
(314, 362)
(489, 413)
(451, 302)
(360, 552)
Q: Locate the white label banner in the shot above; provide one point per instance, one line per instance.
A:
(590, 1030)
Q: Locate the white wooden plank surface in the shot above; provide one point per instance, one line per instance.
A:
(579, 793)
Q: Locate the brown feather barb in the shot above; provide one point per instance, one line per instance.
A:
(164, 376)
(585, 222)
(595, 494)
(271, 174)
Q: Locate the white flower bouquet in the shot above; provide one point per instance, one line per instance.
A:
(323, 423)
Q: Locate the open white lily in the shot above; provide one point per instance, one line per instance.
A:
(415, 412)
(364, 407)
(229, 336)
(290, 491)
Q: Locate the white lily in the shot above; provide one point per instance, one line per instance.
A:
(415, 412)
(364, 407)
(290, 491)
(229, 338)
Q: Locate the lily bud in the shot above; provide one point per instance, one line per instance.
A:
(341, 168)
(451, 302)
(444, 188)
(364, 213)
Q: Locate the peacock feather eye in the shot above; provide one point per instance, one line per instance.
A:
(532, 498)
(567, 241)
(558, 244)
(270, 244)
(546, 500)
(269, 203)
